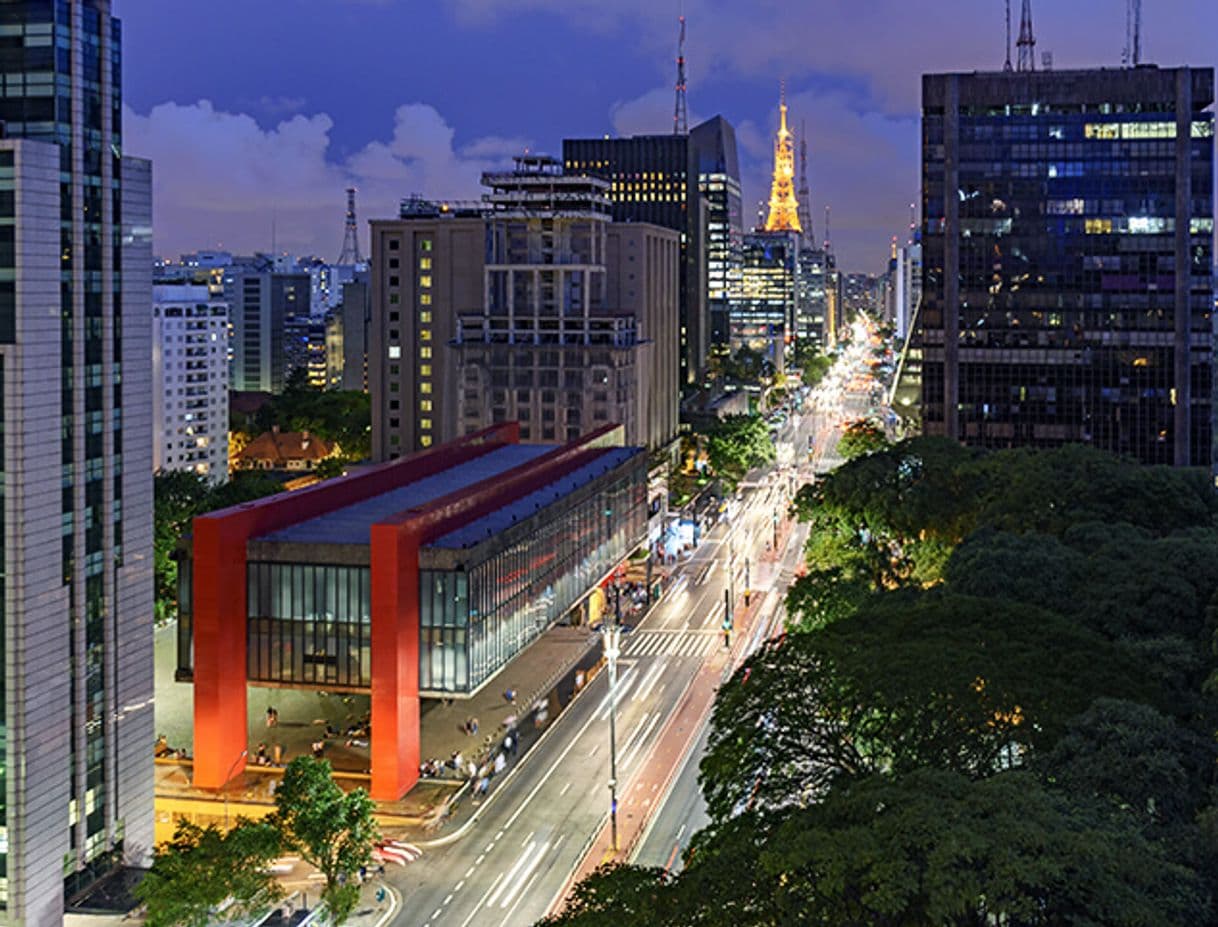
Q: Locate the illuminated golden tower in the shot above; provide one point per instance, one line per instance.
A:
(784, 208)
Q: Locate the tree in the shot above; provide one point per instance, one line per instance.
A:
(330, 829)
(860, 437)
(203, 872)
(737, 443)
(812, 364)
(178, 496)
(614, 895)
(910, 679)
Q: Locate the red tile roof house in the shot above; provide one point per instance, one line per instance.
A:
(285, 450)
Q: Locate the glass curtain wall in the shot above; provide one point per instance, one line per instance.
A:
(471, 627)
(309, 624)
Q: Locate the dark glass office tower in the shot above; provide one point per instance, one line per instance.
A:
(75, 355)
(714, 145)
(1067, 245)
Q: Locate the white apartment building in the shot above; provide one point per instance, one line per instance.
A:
(190, 380)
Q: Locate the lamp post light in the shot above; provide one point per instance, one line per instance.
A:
(613, 636)
(242, 755)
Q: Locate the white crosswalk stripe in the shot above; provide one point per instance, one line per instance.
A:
(672, 643)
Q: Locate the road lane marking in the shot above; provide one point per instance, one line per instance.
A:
(478, 906)
(647, 683)
(520, 861)
(639, 743)
(592, 752)
(526, 840)
(507, 921)
(469, 872)
(564, 789)
(447, 900)
(456, 888)
(524, 875)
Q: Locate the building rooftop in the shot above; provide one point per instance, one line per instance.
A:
(501, 519)
(283, 447)
(352, 524)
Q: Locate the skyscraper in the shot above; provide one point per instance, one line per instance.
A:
(75, 348)
(1067, 239)
(714, 145)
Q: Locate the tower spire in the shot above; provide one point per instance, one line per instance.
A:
(804, 196)
(784, 210)
(680, 117)
(350, 253)
(1027, 41)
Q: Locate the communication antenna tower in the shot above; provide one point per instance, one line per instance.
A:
(1132, 55)
(1027, 41)
(680, 117)
(828, 237)
(350, 253)
(805, 195)
(1007, 66)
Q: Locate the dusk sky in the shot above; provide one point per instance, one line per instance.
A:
(261, 110)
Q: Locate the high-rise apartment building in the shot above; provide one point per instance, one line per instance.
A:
(190, 379)
(573, 334)
(347, 337)
(426, 268)
(75, 350)
(1067, 240)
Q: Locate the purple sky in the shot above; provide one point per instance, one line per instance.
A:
(264, 110)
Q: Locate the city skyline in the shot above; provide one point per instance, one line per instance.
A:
(266, 145)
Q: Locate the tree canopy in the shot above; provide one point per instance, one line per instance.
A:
(737, 443)
(860, 437)
(996, 702)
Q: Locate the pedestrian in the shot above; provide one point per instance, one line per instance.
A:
(509, 695)
(272, 716)
(500, 763)
(473, 769)
(473, 725)
(508, 743)
(319, 748)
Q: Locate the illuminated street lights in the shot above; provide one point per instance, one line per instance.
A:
(613, 636)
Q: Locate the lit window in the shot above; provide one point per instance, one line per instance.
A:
(425, 388)
(424, 352)
(424, 405)
(394, 352)
(425, 299)
(425, 263)
(425, 334)
(425, 317)
(425, 244)
(425, 281)
(424, 370)
(425, 424)
(424, 441)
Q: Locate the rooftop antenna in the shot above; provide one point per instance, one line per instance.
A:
(805, 196)
(1007, 66)
(1132, 55)
(913, 221)
(828, 237)
(1027, 41)
(350, 253)
(680, 117)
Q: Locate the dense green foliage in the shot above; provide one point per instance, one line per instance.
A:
(331, 829)
(341, 416)
(737, 443)
(203, 872)
(996, 703)
(860, 437)
(178, 496)
(811, 363)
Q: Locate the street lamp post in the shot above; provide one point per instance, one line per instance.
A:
(242, 755)
(613, 637)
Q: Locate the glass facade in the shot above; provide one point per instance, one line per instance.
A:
(764, 313)
(1058, 284)
(474, 621)
(309, 624)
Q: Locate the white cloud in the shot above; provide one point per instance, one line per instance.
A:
(220, 180)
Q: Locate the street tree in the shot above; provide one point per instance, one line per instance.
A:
(737, 443)
(615, 895)
(860, 437)
(330, 829)
(909, 679)
(203, 874)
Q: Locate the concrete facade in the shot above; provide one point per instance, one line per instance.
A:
(426, 269)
